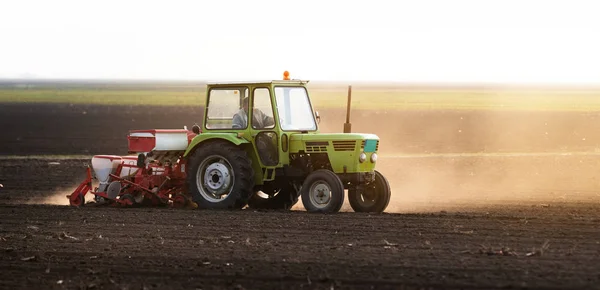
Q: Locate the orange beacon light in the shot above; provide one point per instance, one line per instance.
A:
(286, 75)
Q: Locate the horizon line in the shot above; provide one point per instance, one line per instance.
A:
(4, 80)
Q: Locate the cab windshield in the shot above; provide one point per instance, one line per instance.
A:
(295, 112)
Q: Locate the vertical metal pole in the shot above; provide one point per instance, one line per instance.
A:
(347, 125)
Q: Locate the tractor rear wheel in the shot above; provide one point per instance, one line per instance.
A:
(322, 191)
(375, 197)
(283, 196)
(220, 176)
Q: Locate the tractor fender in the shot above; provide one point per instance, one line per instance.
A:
(201, 138)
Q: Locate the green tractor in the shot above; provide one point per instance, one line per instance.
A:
(260, 145)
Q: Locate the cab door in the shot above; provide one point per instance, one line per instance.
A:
(263, 127)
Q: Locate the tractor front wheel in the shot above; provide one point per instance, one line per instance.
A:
(322, 191)
(220, 176)
(373, 197)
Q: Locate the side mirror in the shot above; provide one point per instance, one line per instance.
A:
(318, 116)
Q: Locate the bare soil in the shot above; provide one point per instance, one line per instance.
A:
(475, 220)
(550, 247)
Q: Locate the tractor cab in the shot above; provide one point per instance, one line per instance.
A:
(264, 113)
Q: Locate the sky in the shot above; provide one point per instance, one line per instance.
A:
(459, 41)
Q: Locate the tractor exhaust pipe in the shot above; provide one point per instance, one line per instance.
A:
(348, 125)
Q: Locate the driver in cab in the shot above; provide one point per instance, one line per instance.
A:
(260, 120)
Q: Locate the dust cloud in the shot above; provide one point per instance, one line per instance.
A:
(446, 160)
(57, 198)
(451, 159)
(438, 183)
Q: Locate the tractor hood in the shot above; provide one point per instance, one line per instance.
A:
(344, 150)
(335, 141)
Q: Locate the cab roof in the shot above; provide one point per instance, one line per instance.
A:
(258, 82)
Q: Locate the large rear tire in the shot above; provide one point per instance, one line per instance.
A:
(220, 176)
(375, 197)
(277, 197)
(322, 191)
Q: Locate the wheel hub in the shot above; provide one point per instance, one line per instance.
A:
(217, 179)
(320, 194)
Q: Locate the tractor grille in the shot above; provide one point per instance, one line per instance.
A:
(316, 146)
(344, 145)
(362, 145)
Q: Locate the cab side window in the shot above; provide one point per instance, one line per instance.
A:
(262, 115)
(224, 104)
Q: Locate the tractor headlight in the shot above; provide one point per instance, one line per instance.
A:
(362, 157)
(373, 157)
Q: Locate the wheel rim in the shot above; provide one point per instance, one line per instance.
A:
(215, 178)
(320, 194)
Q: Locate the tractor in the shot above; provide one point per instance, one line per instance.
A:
(258, 146)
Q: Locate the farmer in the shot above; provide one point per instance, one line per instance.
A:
(264, 142)
(261, 121)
